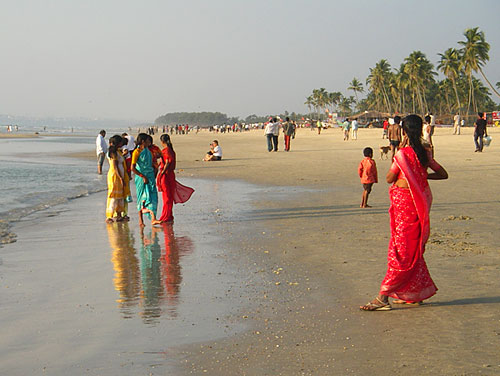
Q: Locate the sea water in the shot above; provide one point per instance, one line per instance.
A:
(36, 173)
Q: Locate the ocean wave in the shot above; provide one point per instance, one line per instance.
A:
(14, 215)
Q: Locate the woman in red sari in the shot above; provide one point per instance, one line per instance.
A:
(408, 279)
(172, 191)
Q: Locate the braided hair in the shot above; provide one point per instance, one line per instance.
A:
(412, 125)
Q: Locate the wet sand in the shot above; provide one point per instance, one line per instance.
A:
(301, 261)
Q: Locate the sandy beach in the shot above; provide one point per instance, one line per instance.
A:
(296, 257)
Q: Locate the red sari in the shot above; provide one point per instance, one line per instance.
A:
(407, 275)
(172, 192)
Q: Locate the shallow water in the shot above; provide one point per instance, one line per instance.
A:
(112, 297)
(34, 176)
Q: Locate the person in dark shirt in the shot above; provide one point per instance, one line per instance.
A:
(480, 132)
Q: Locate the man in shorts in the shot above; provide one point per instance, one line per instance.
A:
(394, 135)
(101, 150)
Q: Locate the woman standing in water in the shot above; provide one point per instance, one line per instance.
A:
(142, 166)
(172, 191)
(116, 182)
(408, 279)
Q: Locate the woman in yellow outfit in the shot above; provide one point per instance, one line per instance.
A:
(116, 182)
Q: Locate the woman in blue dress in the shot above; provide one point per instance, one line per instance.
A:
(145, 179)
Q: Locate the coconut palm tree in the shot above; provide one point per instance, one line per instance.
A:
(421, 74)
(474, 55)
(450, 66)
(356, 86)
(309, 103)
(377, 80)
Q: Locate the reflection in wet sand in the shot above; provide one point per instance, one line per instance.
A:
(126, 266)
(154, 283)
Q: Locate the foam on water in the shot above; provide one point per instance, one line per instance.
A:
(35, 176)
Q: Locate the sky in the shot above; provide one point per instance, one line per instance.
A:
(125, 59)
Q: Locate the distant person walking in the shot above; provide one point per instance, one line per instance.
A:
(346, 125)
(479, 132)
(272, 132)
(288, 133)
(319, 125)
(407, 279)
(456, 124)
(394, 135)
(354, 129)
(386, 126)
(432, 123)
(101, 150)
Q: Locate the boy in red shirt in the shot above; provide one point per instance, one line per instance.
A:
(367, 171)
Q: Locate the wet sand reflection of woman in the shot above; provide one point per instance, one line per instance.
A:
(152, 289)
(172, 275)
(126, 266)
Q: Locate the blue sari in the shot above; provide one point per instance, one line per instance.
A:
(147, 196)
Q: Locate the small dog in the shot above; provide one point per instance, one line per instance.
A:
(384, 150)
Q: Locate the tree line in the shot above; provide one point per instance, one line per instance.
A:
(413, 86)
(196, 118)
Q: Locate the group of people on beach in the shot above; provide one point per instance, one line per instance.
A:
(153, 169)
(407, 279)
(272, 131)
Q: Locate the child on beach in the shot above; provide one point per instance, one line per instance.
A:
(367, 171)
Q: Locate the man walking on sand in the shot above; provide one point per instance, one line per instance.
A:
(288, 132)
(101, 150)
(272, 131)
(480, 132)
(394, 135)
(354, 129)
(456, 124)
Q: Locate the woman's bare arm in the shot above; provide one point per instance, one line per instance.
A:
(440, 174)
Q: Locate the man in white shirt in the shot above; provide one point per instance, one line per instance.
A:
(272, 131)
(215, 153)
(456, 124)
(101, 150)
(433, 122)
(354, 129)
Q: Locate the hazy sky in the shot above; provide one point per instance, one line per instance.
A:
(140, 59)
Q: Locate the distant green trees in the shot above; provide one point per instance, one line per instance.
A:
(196, 118)
(413, 86)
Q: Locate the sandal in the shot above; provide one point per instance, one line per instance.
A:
(399, 301)
(380, 306)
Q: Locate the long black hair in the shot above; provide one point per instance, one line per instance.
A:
(114, 143)
(165, 138)
(412, 125)
(141, 137)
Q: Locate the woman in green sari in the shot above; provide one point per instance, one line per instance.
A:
(145, 179)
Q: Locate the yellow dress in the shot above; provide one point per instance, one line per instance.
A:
(116, 187)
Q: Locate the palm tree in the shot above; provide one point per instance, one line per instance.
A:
(421, 74)
(356, 86)
(309, 103)
(474, 55)
(450, 66)
(378, 80)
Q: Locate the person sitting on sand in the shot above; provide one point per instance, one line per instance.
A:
(367, 172)
(215, 153)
